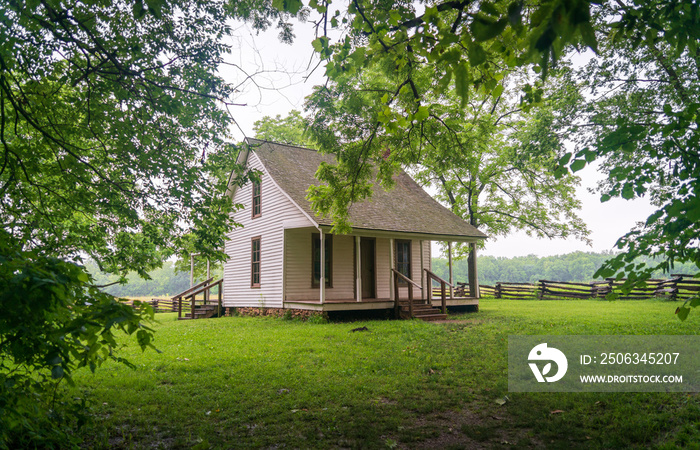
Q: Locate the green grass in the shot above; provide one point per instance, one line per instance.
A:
(258, 382)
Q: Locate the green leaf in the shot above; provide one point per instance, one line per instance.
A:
(85, 278)
(57, 372)
(515, 10)
(488, 8)
(462, 82)
(627, 191)
(292, 6)
(476, 54)
(694, 303)
(319, 44)
(682, 312)
(588, 36)
(564, 160)
(484, 29)
(497, 91)
(578, 165)
(422, 113)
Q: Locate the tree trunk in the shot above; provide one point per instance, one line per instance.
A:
(471, 263)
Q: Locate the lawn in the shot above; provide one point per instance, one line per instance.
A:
(242, 382)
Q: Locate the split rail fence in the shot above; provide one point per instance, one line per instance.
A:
(679, 287)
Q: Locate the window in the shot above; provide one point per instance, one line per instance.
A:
(403, 259)
(257, 197)
(255, 262)
(316, 259)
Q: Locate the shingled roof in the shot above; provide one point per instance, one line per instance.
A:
(406, 208)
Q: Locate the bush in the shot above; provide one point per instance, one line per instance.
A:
(52, 322)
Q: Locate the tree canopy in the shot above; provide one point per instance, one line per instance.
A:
(644, 130)
(113, 144)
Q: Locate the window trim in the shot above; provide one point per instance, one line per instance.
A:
(252, 261)
(410, 259)
(259, 198)
(328, 241)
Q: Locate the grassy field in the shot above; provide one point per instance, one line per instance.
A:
(259, 382)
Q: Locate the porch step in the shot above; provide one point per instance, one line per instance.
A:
(200, 312)
(421, 311)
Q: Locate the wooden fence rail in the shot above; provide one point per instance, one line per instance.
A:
(679, 287)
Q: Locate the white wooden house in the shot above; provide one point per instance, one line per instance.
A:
(283, 251)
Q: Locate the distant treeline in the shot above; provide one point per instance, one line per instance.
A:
(577, 266)
(164, 282)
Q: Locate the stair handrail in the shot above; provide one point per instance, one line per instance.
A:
(188, 290)
(398, 275)
(193, 295)
(443, 283)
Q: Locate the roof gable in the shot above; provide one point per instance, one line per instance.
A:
(406, 208)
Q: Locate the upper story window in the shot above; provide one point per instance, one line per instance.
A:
(257, 199)
(403, 259)
(316, 259)
(255, 262)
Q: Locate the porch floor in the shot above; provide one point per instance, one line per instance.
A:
(367, 304)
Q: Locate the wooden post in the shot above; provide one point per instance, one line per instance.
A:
(322, 281)
(449, 263)
(179, 307)
(422, 274)
(497, 292)
(410, 299)
(358, 269)
(393, 285)
(193, 296)
(208, 291)
(430, 288)
(395, 294)
(444, 301)
(221, 288)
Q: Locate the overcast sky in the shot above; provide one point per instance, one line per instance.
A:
(280, 80)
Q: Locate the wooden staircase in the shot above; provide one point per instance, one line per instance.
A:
(411, 308)
(201, 312)
(421, 310)
(195, 310)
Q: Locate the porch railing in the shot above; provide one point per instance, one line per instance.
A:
(443, 288)
(399, 276)
(191, 294)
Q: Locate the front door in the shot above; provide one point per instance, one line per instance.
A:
(367, 267)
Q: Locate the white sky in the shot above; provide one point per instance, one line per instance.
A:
(281, 84)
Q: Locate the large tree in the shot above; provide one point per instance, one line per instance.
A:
(110, 115)
(467, 43)
(490, 159)
(641, 120)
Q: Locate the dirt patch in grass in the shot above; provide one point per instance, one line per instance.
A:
(474, 427)
(459, 321)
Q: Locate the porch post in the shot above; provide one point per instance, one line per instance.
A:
(422, 272)
(473, 280)
(391, 265)
(358, 269)
(322, 281)
(449, 262)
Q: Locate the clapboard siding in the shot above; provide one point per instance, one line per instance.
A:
(298, 267)
(276, 208)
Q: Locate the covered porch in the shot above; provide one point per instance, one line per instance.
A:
(370, 270)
